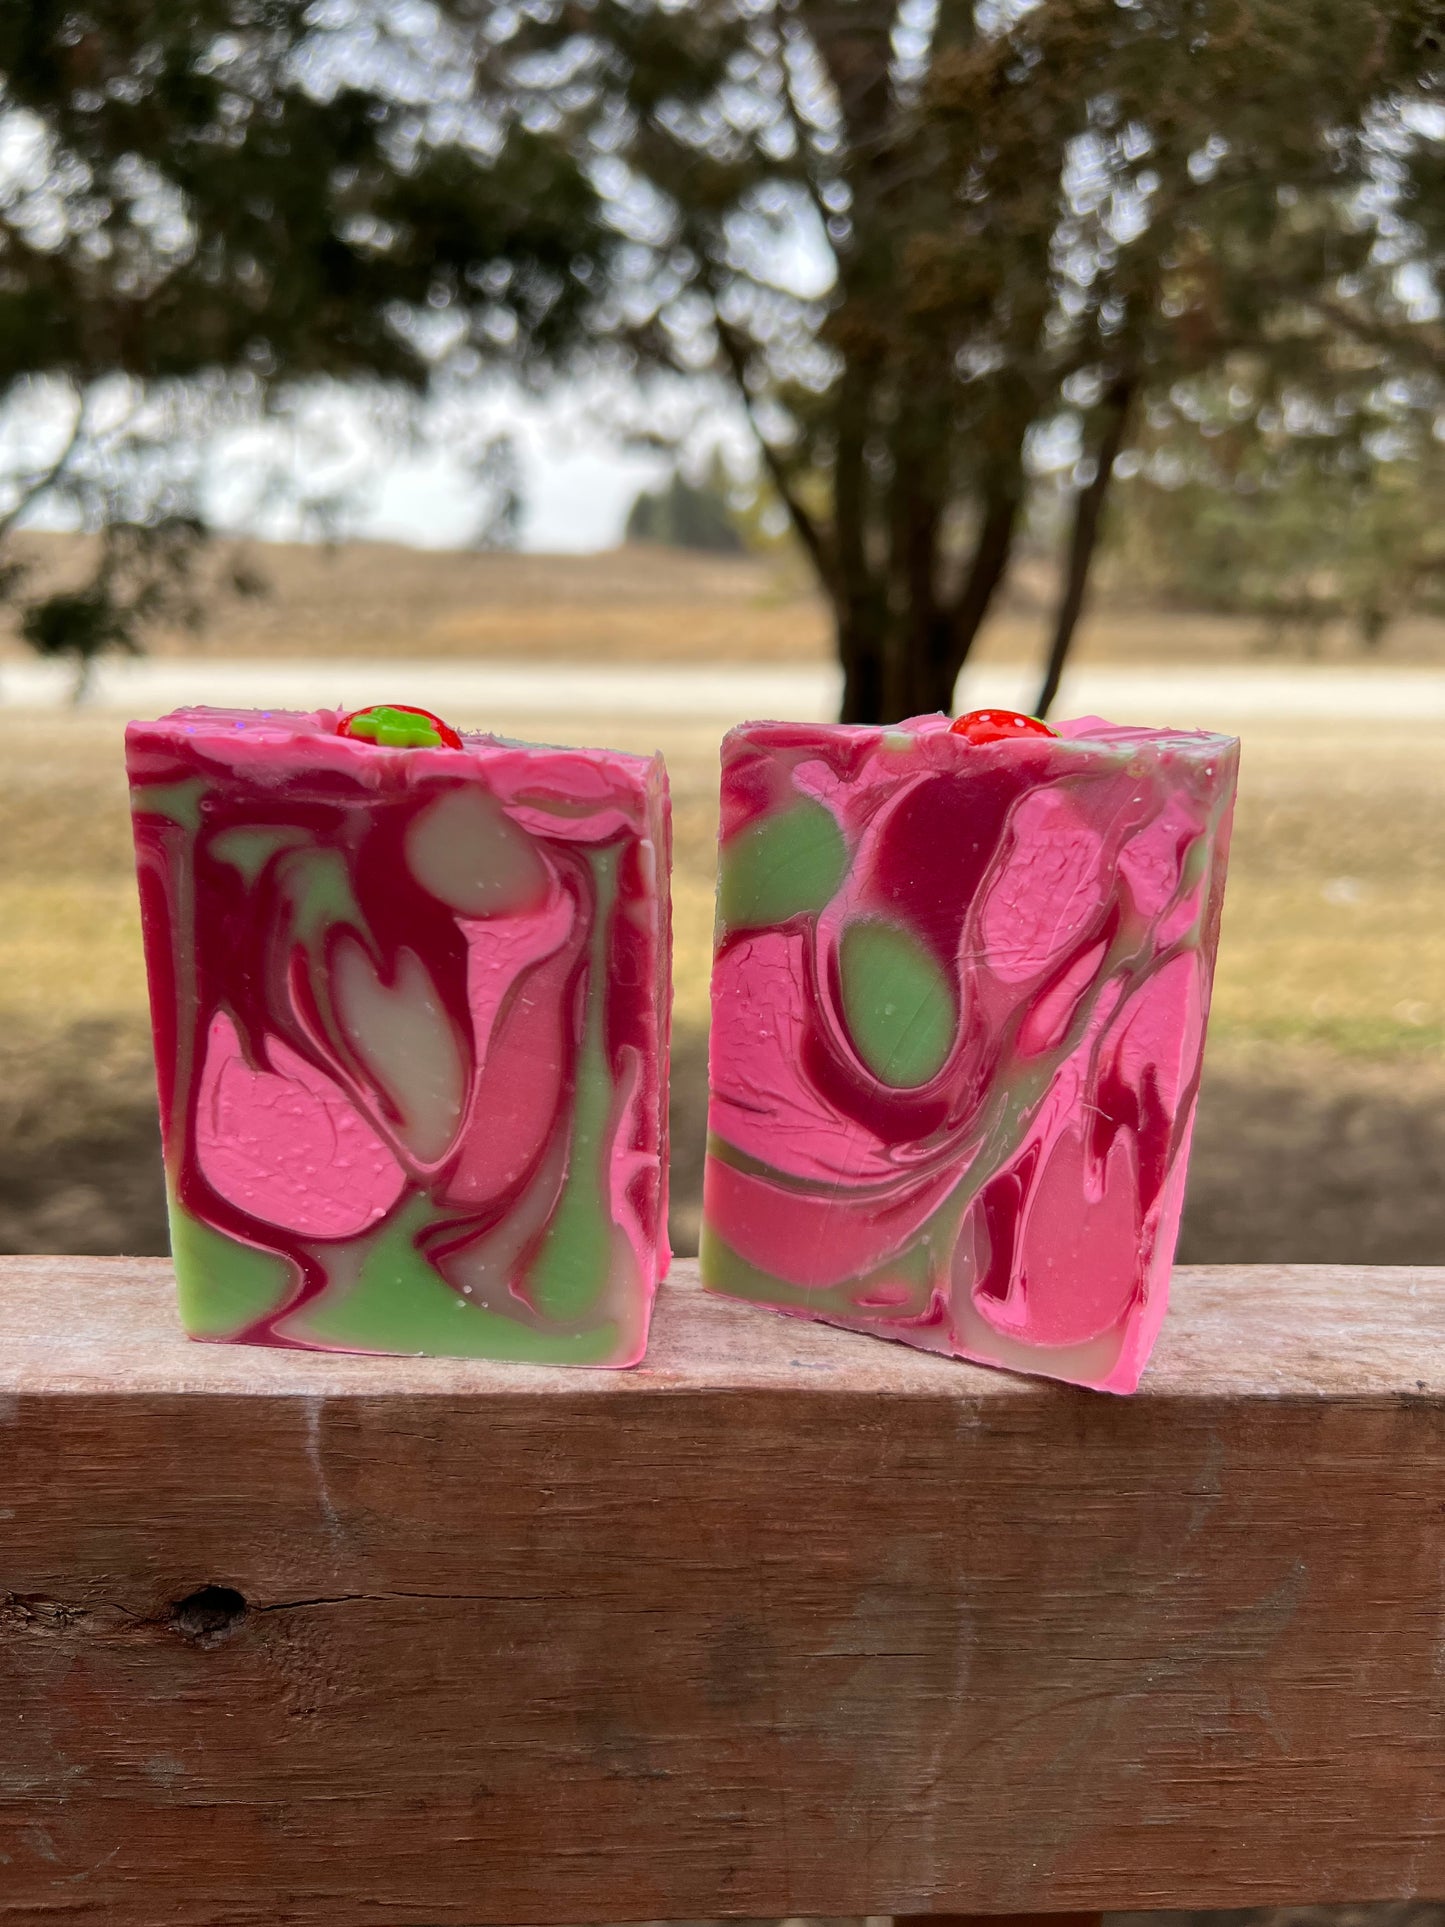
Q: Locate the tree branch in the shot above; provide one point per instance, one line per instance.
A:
(802, 136)
(958, 625)
(1084, 538)
(34, 486)
(1418, 342)
(812, 538)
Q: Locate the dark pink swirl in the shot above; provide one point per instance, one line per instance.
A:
(959, 1001)
(411, 1011)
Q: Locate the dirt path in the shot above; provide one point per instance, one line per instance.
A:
(1199, 695)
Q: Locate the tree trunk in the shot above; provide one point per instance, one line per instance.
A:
(957, 628)
(915, 519)
(1084, 537)
(934, 672)
(860, 650)
(80, 689)
(857, 600)
(902, 657)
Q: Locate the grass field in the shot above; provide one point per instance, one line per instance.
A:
(377, 600)
(1322, 1132)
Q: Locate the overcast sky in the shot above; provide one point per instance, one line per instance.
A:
(577, 484)
(581, 456)
(574, 498)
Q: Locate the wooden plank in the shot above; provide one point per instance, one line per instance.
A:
(789, 1621)
(998, 1920)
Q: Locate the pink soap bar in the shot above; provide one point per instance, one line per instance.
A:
(958, 1010)
(411, 1025)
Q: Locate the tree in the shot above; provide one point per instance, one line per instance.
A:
(207, 206)
(687, 515)
(917, 238)
(1332, 519)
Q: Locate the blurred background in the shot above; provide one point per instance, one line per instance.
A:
(609, 373)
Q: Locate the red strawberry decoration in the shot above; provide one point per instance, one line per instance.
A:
(998, 726)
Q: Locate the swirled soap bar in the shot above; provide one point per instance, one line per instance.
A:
(410, 994)
(959, 999)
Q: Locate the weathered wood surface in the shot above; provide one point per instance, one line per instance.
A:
(788, 1621)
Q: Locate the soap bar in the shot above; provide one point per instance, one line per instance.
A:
(958, 1010)
(411, 1006)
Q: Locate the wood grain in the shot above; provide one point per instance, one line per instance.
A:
(788, 1621)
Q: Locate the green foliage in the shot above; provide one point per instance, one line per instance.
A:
(74, 623)
(143, 574)
(207, 203)
(916, 240)
(214, 187)
(1306, 528)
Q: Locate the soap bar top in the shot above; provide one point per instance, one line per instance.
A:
(959, 1000)
(979, 849)
(411, 1021)
(302, 748)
